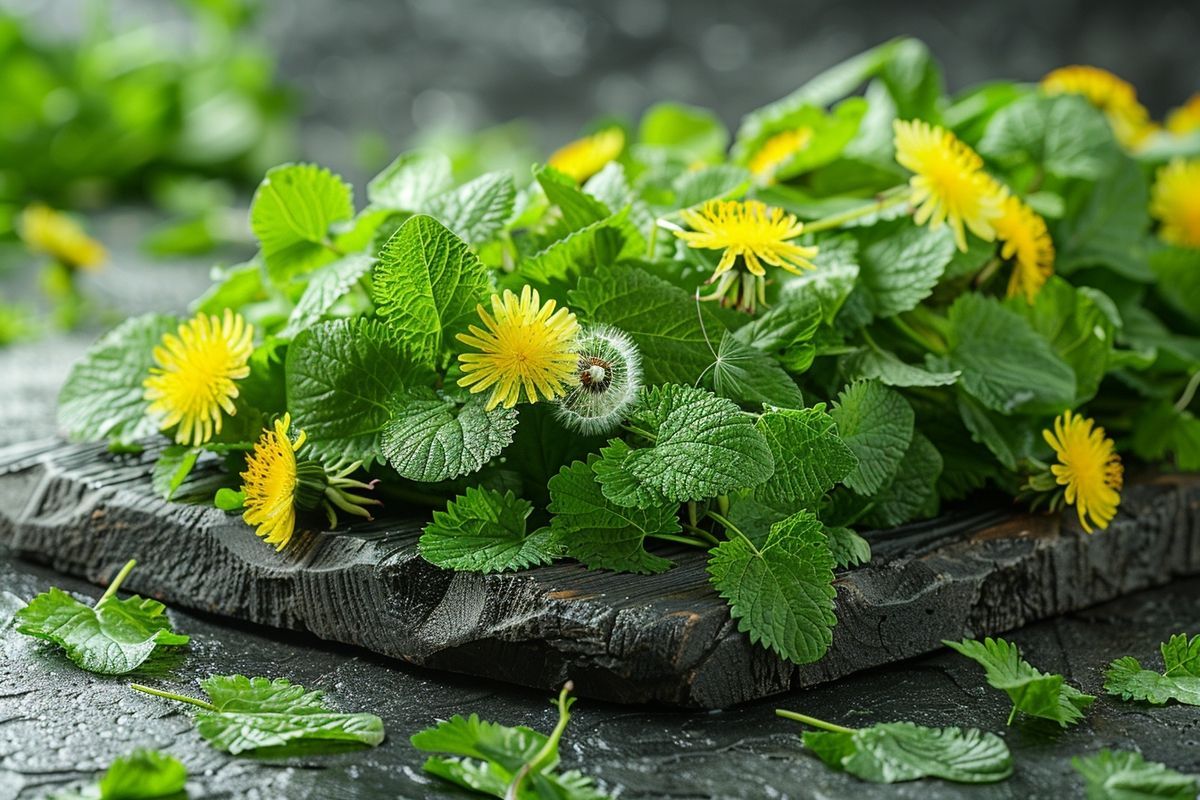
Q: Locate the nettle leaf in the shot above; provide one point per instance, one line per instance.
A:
(600, 533)
(171, 469)
(619, 484)
(1033, 692)
(661, 319)
(142, 775)
(745, 374)
(900, 263)
(261, 714)
(704, 445)
(598, 245)
(680, 132)
(485, 531)
(876, 423)
(477, 210)
(103, 397)
(1179, 681)
(832, 282)
(113, 637)
(411, 181)
(781, 590)
(1062, 133)
(886, 368)
(326, 286)
(291, 214)
(1077, 329)
(579, 209)
(910, 490)
(342, 378)
(891, 752)
(1177, 278)
(1005, 363)
(427, 286)
(1123, 775)
(848, 548)
(431, 440)
(809, 456)
(1105, 224)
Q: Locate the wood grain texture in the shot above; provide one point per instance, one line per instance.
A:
(664, 638)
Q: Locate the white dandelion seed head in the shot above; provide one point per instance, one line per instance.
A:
(608, 379)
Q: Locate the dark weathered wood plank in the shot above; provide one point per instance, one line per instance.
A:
(664, 638)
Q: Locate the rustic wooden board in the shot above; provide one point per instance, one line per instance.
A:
(664, 638)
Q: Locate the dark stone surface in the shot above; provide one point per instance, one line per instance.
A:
(628, 638)
(59, 724)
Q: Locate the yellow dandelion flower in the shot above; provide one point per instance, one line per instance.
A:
(755, 234)
(1089, 467)
(195, 374)
(1185, 119)
(61, 238)
(269, 484)
(1117, 98)
(527, 345)
(1026, 242)
(583, 158)
(1175, 202)
(778, 151)
(949, 184)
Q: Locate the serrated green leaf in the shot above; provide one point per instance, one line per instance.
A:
(411, 181)
(1005, 364)
(427, 286)
(781, 590)
(326, 286)
(619, 484)
(579, 209)
(886, 368)
(830, 131)
(1064, 134)
(910, 490)
(876, 423)
(143, 775)
(704, 445)
(1033, 692)
(809, 456)
(485, 531)
(1122, 775)
(747, 375)
(114, 637)
(342, 379)
(900, 263)
(1177, 278)
(103, 397)
(661, 319)
(591, 249)
(478, 210)
(1105, 224)
(848, 548)
(171, 468)
(892, 752)
(600, 533)
(1179, 681)
(432, 440)
(291, 215)
(832, 282)
(278, 716)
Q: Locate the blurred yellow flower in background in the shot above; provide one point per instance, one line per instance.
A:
(1186, 118)
(583, 158)
(778, 151)
(56, 235)
(1175, 202)
(1117, 98)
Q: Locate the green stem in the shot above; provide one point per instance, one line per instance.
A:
(549, 751)
(328, 244)
(1012, 715)
(926, 342)
(723, 503)
(644, 434)
(892, 197)
(729, 526)
(703, 534)
(182, 698)
(1185, 399)
(671, 537)
(812, 721)
(117, 581)
(693, 516)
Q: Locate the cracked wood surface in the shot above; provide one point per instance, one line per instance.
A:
(664, 638)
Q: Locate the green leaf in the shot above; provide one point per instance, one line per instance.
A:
(909, 492)
(686, 134)
(277, 716)
(143, 775)
(478, 210)
(886, 368)
(848, 548)
(171, 469)
(1180, 680)
(411, 181)
(590, 249)
(832, 281)
(780, 591)
(291, 215)
(1177, 275)
(900, 264)
(1122, 775)
(113, 637)
(600, 533)
(228, 499)
(1164, 430)
(831, 132)
(436, 440)
(704, 445)
(891, 752)
(579, 209)
(326, 286)
(1005, 363)
(484, 531)
(103, 395)
(876, 423)
(343, 377)
(1063, 134)
(661, 319)
(619, 484)
(747, 375)
(810, 457)
(1033, 692)
(427, 286)
(695, 187)
(1105, 224)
